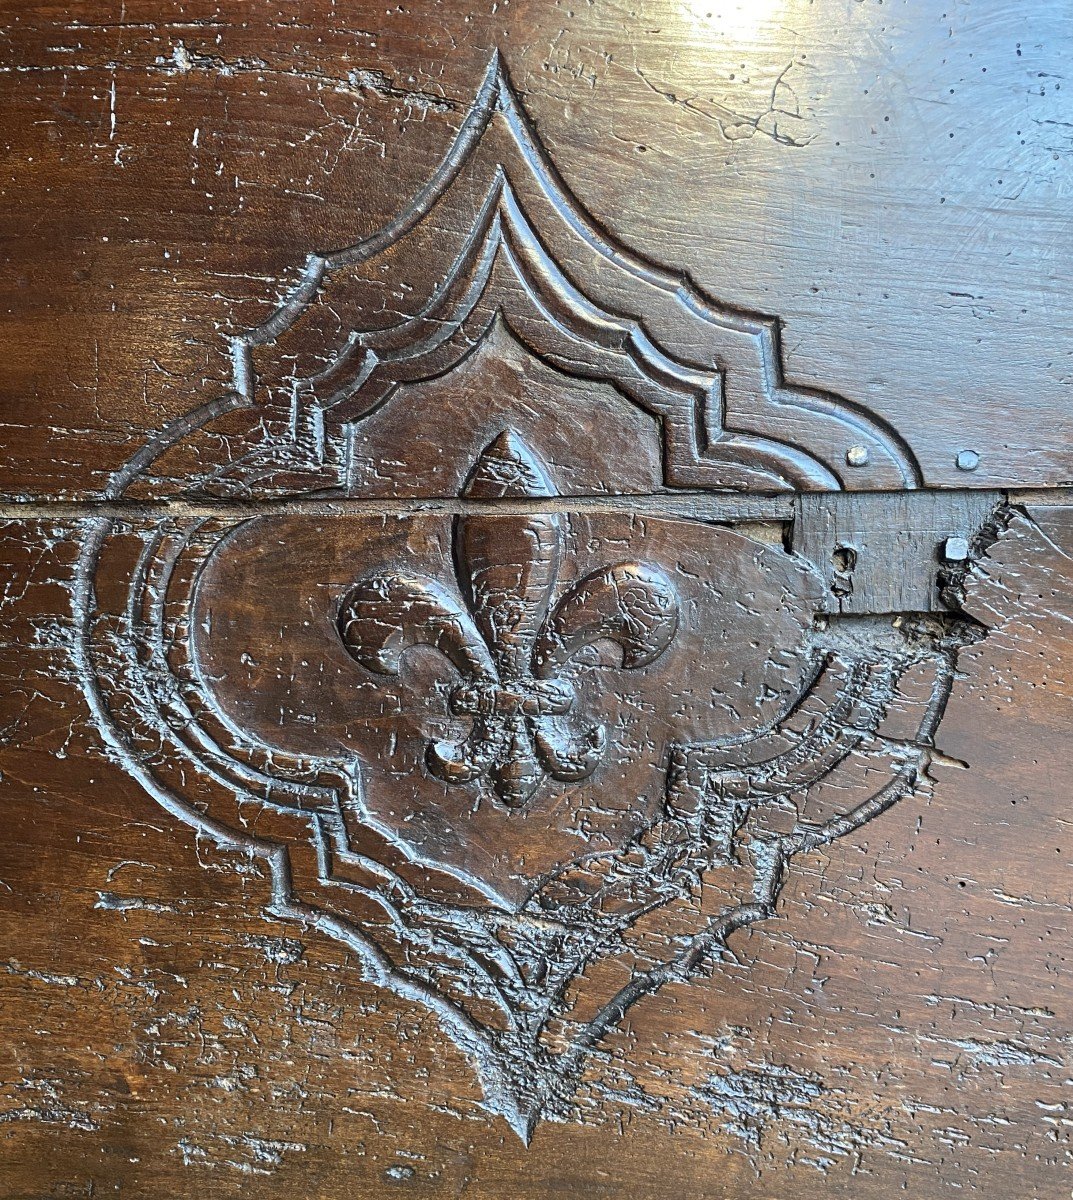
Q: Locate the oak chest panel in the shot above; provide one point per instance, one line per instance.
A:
(536, 636)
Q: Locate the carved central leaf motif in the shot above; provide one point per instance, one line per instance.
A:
(770, 729)
(506, 638)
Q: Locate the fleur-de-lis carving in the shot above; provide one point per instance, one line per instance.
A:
(506, 638)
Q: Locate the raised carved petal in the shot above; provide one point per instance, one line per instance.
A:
(509, 469)
(465, 761)
(508, 564)
(517, 773)
(632, 604)
(386, 615)
(568, 757)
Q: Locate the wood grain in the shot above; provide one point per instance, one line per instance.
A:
(903, 1022)
(888, 182)
(534, 639)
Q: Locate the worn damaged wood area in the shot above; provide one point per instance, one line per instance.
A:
(899, 1014)
(537, 596)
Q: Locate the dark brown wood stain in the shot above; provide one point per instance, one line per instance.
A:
(536, 603)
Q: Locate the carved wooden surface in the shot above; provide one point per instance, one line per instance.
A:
(538, 598)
